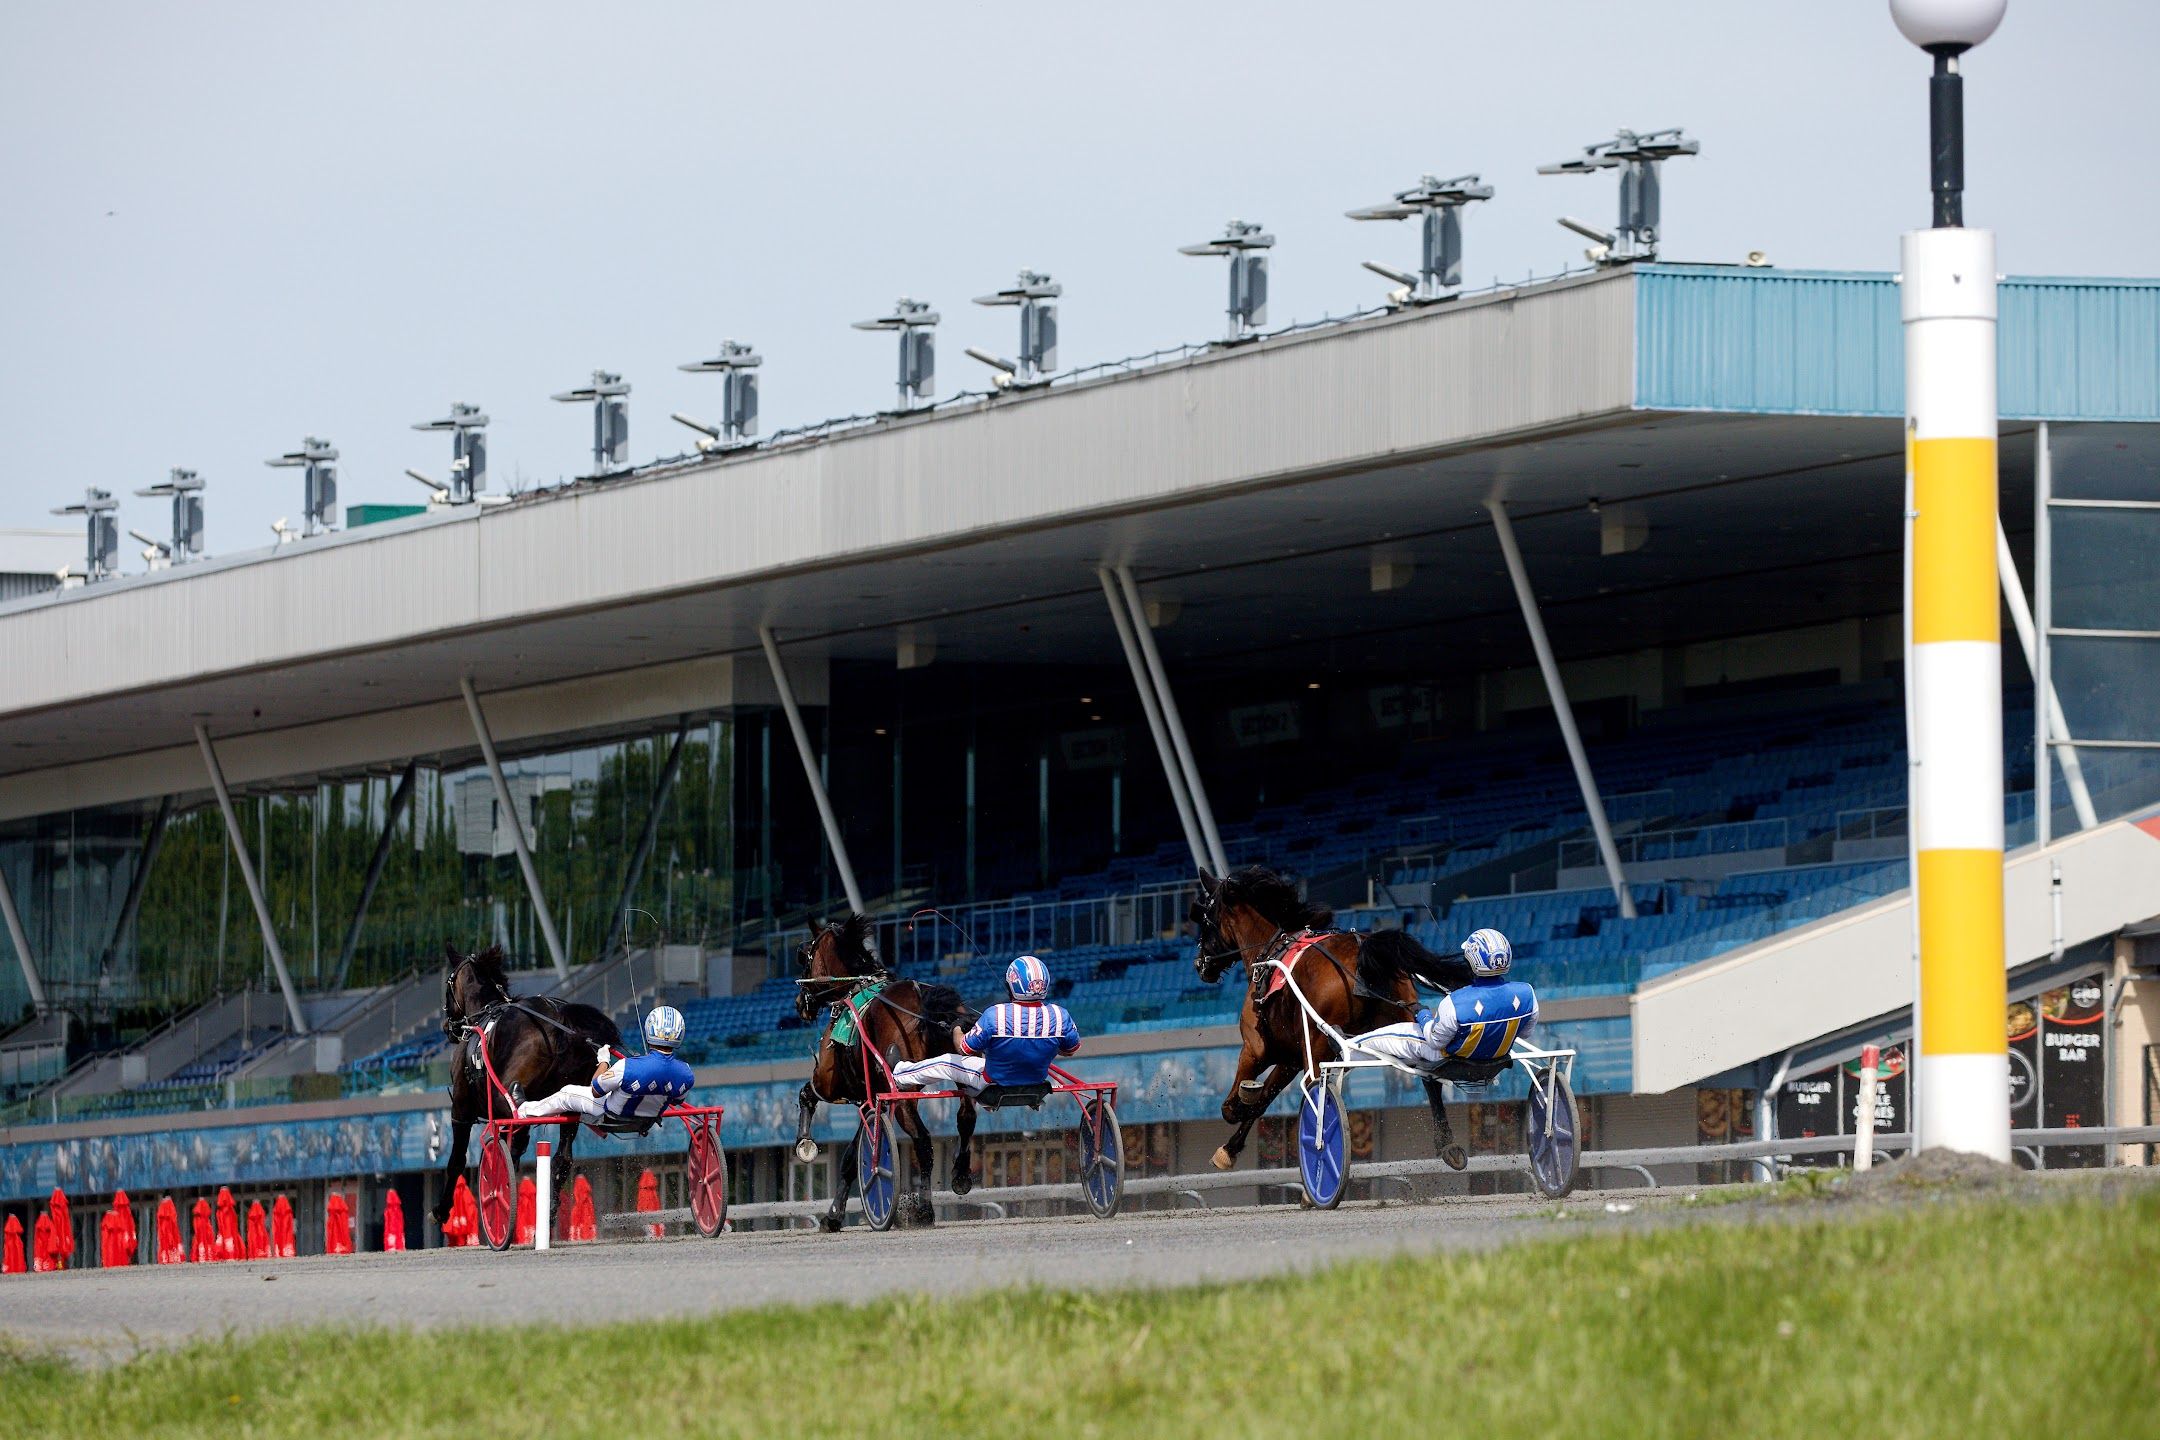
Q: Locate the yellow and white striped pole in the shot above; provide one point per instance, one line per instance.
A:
(1953, 682)
(1962, 1081)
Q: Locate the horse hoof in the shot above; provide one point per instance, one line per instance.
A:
(1454, 1158)
(962, 1183)
(1224, 1160)
(830, 1224)
(806, 1150)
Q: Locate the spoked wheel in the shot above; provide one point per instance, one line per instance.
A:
(1552, 1133)
(1102, 1157)
(707, 1172)
(1323, 1144)
(498, 1193)
(874, 1168)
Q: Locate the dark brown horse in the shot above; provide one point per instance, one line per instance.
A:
(1356, 982)
(536, 1044)
(906, 1020)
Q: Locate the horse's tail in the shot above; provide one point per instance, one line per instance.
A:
(942, 1010)
(1385, 956)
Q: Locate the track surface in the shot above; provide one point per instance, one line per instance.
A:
(110, 1314)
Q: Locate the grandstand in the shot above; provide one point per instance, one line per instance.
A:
(1715, 553)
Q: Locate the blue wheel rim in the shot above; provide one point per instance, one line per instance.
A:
(874, 1170)
(1553, 1142)
(1102, 1170)
(1322, 1152)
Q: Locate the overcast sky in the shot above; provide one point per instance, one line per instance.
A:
(224, 226)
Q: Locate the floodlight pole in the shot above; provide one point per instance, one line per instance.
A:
(517, 829)
(1172, 772)
(237, 839)
(1954, 683)
(394, 812)
(826, 817)
(1557, 692)
(1172, 721)
(23, 957)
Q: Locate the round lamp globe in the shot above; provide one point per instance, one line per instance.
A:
(1947, 24)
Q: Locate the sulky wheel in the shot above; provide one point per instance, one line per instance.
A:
(1552, 1133)
(1102, 1157)
(707, 1174)
(1323, 1144)
(498, 1193)
(874, 1168)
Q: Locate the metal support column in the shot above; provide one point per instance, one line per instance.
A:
(1550, 668)
(22, 945)
(517, 829)
(394, 812)
(1172, 722)
(235, 839)
(810, 769)
(2053, 729)
(663, 786)
(1122, 618)
(132, 901)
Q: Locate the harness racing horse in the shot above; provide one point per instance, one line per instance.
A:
(905, 1020)
(1354, 981)
(536, 1044)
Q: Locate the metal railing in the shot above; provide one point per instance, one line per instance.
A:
(1687, 842)
(956, 934)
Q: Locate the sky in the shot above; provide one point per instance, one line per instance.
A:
(224, 227)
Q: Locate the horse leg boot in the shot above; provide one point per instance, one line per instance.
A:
(1250, 1112)
(916, 1210)
(453, 1169)
(963, 1155)
(832, 1220)
(806, 1149)
(1450, 1153)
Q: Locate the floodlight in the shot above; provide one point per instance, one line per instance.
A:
(1440, 203)
(184, 489)
(1946, 29)
(1243, 243)
(1038, 331)
(914, 320)
(468, 454)
(610, 421)
(736, 365)
(101, 533)
(1638, 157)
(1953, 25)
(319, 495)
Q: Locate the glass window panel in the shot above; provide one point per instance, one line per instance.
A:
(2107, 569)
(2105, 462)
(2110, 689)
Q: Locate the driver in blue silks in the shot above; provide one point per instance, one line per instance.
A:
(628, 1087)
(1012, 1044)
(1479, 1023)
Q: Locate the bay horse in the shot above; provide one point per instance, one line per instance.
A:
(906, 1020)
(1355, 981)
(536, 1043)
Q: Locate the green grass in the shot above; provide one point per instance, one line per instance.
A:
(2001, 1317)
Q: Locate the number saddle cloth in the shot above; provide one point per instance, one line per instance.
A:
(843, 1020)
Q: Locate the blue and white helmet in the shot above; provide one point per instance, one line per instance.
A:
(1488, 952)
(1028, 979)
(664, 1028)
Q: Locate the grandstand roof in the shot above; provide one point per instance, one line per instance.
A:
(1749, 414)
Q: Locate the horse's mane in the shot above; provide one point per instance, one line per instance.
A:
(851, 942)
(490, 969)
(1274, 898)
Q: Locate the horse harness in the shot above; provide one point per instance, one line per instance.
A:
(1267, 972)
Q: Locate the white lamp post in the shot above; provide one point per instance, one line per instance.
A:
(1953, 684)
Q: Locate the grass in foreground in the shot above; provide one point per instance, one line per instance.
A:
(1985, 1318)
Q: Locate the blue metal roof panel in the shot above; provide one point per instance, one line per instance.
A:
(1799, 342)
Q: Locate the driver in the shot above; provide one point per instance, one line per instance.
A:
(627, 1087)
(1012, 1044)
(1479, 1022)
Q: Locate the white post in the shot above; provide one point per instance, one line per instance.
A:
(1171, 719)
(517, 829)
(1863, 1154)
(2052, 726)
(1172, 771)
(810, 769)
(543, 1192)
(238, 843)
(1557, 692)
(22, 944)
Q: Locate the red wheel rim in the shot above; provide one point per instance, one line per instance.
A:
(708, 1182)
(498, 1197)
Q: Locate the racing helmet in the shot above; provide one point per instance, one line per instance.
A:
(1028, 979)
(663, 1028)
(1488, 952)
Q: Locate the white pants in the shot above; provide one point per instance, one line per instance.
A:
(942, 1072)
(570, 1100)
(1405, 1044)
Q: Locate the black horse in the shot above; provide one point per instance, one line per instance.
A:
(536, 1044)
(907, 1021)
